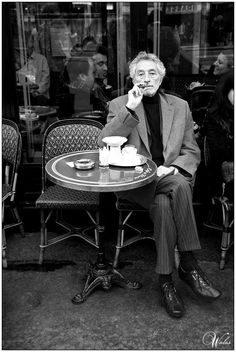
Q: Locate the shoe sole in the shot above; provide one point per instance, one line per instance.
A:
(205, 298)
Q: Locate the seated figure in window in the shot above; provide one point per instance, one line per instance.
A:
(101, 92)
(81, 80)
(35, 73)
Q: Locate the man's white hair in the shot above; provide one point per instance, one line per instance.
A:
(143, 55)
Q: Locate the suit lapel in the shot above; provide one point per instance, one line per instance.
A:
(167, 114)
(142, 127)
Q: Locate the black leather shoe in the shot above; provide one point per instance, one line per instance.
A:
(171, 301)
(199, 283)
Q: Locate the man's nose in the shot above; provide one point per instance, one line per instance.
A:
(146, 78)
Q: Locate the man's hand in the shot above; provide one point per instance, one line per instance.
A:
(135, 96)
(163, 170)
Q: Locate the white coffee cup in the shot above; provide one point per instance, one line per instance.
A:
(129, 151)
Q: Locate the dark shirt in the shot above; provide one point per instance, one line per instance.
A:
(100, 96)
(152, 109)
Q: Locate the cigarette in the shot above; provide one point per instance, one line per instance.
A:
(141, 86)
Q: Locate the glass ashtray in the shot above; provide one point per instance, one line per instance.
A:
(84, 164)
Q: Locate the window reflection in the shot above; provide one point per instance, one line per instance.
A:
(84, 49)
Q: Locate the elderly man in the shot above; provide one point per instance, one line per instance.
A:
(161, 127)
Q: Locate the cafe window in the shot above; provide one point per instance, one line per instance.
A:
(76, 42)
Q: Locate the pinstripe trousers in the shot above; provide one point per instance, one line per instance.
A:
(169, 202)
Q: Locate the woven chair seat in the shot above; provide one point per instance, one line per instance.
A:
(123, 204)
(58, 197)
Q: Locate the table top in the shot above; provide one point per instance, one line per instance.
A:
(40, 111)
(61, 171)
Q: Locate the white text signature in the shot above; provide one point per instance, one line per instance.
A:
(214, 340)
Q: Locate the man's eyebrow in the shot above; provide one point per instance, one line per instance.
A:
(151, 70)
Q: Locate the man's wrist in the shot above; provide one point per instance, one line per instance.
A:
(129, 109)
(132, 112)
(182, 171)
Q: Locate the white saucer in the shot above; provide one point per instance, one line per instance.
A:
(140, 160)
(114, 140)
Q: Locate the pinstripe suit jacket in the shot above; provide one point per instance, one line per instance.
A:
(179, 144)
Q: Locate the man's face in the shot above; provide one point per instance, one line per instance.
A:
(146, 73)
(221, 65)
(231, 96)
(100, 66)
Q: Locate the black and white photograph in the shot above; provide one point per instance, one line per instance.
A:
(117, 175)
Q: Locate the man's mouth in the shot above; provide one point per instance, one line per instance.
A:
(143, 86)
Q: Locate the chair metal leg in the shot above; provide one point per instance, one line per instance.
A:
(210, 221)
(120, 240)
(120, 236)
(43, 240)
(117, 254)
(77, 231)
(224, 248)
(225, 241)
(18, 220)
(96, 232)
(4, 244)
(4, 247)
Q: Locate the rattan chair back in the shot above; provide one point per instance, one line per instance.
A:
(11, 152)
(68, 136)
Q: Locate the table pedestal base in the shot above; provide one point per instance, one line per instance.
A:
(103, 275)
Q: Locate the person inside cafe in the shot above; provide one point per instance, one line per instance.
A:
(80, 82)
(101, 91)
(161, 127)
(169, 40)
(218, 127)
(222, 65)
(36, 74)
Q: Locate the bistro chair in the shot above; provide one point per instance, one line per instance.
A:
(11, 157)
(62, 137)
(224, 222)
(200, 98)
(128, 214)
(91, 114)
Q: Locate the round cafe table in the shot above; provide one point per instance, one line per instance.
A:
(38, 120)
(61, 171)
